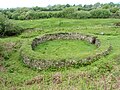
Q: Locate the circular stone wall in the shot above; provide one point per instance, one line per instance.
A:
(45, 64)
(73, 36)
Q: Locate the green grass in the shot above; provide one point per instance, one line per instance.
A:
(64, 49)
(66, 23)
(103, 73)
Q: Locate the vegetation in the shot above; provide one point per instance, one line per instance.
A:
(98, 10)
(64, 48)
(97, 20)
(100, 13)
(7, 28)
(99, 75)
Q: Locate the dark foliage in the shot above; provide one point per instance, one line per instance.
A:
(7, 28)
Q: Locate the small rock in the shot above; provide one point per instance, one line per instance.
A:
(57, 78)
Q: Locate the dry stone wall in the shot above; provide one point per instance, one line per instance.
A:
(45, 64)
(73, 36)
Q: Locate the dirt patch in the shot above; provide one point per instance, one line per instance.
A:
(2, 68)
(117, 86)
(9, 46)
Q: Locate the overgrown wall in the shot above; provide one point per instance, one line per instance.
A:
(45, 64)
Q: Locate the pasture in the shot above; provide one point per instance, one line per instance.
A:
(102, 74)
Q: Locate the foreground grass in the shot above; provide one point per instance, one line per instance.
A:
(103, 74)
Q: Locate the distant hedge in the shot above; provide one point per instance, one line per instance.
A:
(97, 10)
(71, 13)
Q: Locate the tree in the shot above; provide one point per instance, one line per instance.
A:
(106, 6)
(111, 4)
(67, 5)
(97, 5)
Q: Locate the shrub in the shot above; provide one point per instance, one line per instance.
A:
(15, 16)
(7, 28)
(82, 15)
(57, 14)
(100, 13)
(37, 15)
(68, 12)
(114, 9)
(29, 15)
(117, 14)
(21, 17)
(43, 15)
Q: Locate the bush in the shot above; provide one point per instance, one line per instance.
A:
(68, 12)
(7, 28)
(100, 13)
(15, 16)
(37, 15)
(114, 9)
(117, 14)
(82, 15)
(43, 15)
(22, 16)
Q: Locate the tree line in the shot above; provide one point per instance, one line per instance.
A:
(98, 10)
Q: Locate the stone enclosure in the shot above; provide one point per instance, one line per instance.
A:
(46, 64)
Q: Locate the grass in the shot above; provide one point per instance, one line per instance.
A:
(64, 49)
(66, 23)
(103, 73)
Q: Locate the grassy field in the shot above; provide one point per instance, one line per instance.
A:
(64, 49)
(103, 74)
